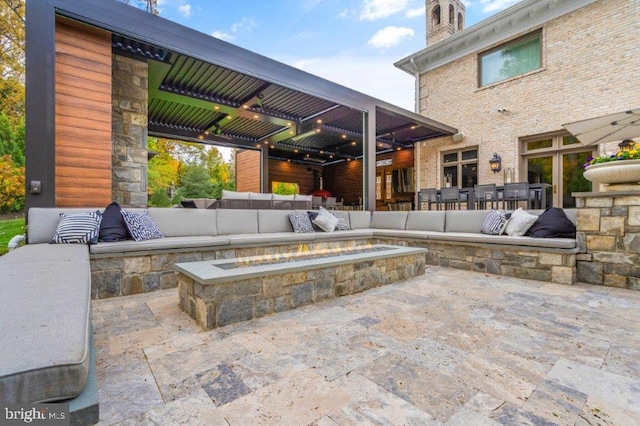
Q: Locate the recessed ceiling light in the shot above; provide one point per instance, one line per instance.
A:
(319, 121)
(295, 150)
(353, 143)
(245, 106)
(229, 117)
(216, 107)
(255, 116)
(200, 137)
(344, 136)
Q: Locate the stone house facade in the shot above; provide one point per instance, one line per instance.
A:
(587, 66)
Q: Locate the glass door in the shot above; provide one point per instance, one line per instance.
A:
(558, 160)
(572, 180)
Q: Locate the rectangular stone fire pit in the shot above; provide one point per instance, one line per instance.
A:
(220, 292)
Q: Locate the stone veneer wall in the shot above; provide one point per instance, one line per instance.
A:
(609, 232)
(549, 265)
(125, 274)
(129, 132)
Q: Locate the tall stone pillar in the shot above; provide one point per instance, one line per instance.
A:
(129, 148)
(609, 235)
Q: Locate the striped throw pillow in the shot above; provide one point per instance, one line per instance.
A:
(494, 223)
(78, 228)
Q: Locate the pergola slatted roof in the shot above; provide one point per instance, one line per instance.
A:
(218, 105)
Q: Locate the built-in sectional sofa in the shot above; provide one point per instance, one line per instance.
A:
(46, 325)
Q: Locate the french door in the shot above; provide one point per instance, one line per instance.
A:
(557, 160)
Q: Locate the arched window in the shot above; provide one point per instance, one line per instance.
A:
(460, 22)
(435, 16)
(452, 15)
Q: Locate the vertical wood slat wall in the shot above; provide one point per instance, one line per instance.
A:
(248, 171)
(83, 116)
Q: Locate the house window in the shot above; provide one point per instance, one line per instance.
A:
(461, 166)
(435, 16)
(452, 15)
(510, 60)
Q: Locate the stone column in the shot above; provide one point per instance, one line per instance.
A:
(608, 228)
(129, 148)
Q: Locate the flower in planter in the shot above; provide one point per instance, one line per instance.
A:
(628, 153)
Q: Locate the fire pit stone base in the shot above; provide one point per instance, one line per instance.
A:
(274, 288)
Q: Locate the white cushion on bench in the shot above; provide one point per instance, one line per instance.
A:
(425, 221)
(388, 220)
(44, 355)
(184, 222)
(465, 220)
(237, 221)
(274, 221)
(555, 243)
(359, 219)
(166, 244)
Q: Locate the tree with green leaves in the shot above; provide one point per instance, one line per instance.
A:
(195, 182)
(12, 48)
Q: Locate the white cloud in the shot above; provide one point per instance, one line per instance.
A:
(496, 5)
(376, 76)
(412, 13)
(344, 13)
(185, 10)
(222, 35)
(390, 36)
(376, 9)
(246, 24)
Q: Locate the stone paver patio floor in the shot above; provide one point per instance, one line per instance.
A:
(450, 347)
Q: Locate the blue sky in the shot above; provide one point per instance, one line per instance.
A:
(351, 42)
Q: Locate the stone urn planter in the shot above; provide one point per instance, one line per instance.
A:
(623, 175)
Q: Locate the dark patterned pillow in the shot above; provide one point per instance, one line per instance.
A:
(78, 228)
(300, 222)
(141, 226)
(494, 223)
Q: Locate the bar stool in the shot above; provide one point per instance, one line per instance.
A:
(449, 197)
(514, 193)
(486, 194)
(429, 196)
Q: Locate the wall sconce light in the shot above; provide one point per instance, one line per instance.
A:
(495, 163)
